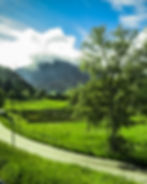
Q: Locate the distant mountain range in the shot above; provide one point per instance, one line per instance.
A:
(57, 75)
(11, 82)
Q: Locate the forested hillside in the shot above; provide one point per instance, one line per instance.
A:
(13, 85)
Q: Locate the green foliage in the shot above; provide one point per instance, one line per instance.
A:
(14, 86)
(87, 99)
(21, 168)
(2, 98)
(117, 87)
(50, 115)
(40, 94)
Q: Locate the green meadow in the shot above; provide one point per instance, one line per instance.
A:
(73, 92)
(15, 169)
(39, 104)
(76, 136)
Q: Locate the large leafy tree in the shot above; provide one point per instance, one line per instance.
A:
(118, 80)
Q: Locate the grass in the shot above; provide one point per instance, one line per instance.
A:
(75, 136)
(69, 135)
(137, 138)
(35, 104)
(17, 167)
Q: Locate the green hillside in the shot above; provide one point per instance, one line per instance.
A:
(13, 85)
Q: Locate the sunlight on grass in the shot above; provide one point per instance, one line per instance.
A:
(35, 104)
(19, 167)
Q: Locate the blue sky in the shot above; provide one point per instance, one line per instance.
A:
(70, 19)
(73, 16)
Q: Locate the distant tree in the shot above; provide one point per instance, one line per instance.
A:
(25, 94)
(8, 86)
(40, 94)
(118, 80)
(2, 98)
(11, 94)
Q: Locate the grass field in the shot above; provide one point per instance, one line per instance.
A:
(35, 104)
(70, 135)
(17, 167)
(75, 136)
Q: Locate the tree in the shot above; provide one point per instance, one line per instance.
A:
(40, 94)
(1, 98)
(117, 72)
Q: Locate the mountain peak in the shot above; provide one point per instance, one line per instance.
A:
(58, 75)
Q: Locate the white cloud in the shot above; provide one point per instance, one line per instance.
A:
(132, 21)
(140, 40)
(135, 19)
(30, 45)
(11, 23)
(121, 3)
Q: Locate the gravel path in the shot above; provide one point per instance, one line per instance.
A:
(98, 164)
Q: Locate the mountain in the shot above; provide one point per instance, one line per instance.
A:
(13, 84)
(56, 76)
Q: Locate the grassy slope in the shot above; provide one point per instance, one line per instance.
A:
(70, 135)
(137, 136)
(74, 135)
(36, 104)
(17, 167)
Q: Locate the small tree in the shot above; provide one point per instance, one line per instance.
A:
(113, 91)
(40, 94)
(1, 98)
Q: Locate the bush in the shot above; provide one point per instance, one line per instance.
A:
(46, 115)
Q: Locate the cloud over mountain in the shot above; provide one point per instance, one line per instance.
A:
(20, 46)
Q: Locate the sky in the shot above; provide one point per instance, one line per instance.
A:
(33, 30)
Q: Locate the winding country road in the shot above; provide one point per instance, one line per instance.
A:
(56, 154)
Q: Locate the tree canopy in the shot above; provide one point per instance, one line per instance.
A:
(118, 70)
